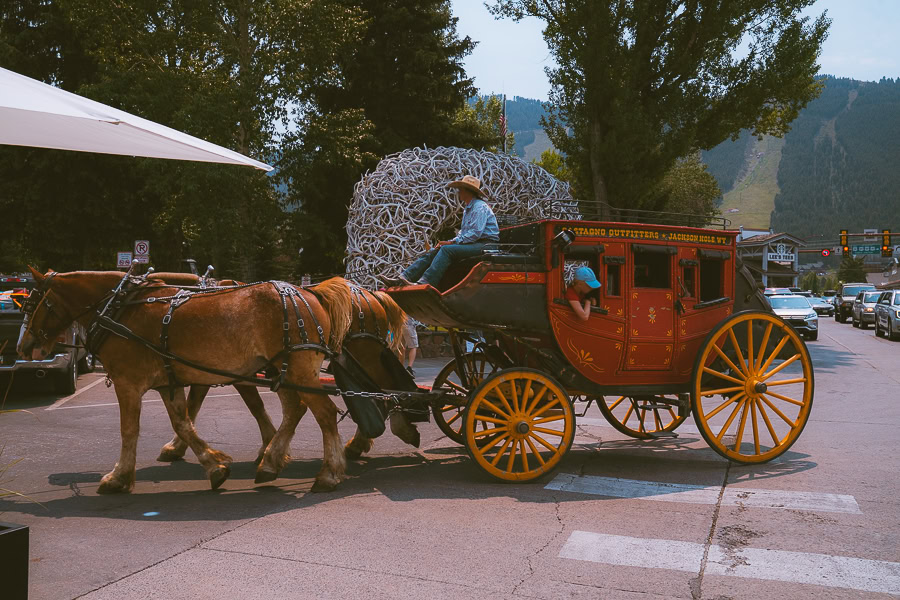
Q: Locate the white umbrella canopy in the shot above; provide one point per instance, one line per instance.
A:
(33, 113)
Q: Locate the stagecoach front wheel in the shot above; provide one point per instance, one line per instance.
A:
(518, 424)
(645, 418)
(449, 415)
(752, 387)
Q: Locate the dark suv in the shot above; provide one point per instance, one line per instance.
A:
(843, 301)
(62, 364)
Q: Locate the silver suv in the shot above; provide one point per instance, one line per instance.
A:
(887, 314)
(863, 311)
(843, 302)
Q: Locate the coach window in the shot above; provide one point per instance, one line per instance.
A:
(712, 274)
(613, 266)
(690, 281)
(652, 266)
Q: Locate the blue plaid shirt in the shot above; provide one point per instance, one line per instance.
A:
(478, 224)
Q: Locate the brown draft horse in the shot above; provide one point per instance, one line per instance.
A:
(373, 315)
(240, 331)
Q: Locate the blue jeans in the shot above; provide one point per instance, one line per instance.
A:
(432, 265)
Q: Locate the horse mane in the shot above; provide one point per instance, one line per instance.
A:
(395, 315)
(175, 278)
(334, 295)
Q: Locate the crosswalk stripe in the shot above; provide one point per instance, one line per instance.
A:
(699, 494)
(751, 563)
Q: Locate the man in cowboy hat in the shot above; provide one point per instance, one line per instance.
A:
(479, 228)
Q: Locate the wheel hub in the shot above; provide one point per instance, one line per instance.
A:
(522, 427)
(760, 387)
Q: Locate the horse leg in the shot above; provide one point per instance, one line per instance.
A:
(217, 464)
(276, 454)
(403, 429)
(359, 445)
(175, 449)
(333, 463)
(250, 396)
(121, 478)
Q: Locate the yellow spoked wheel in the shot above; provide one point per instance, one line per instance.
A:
(646, 417)
(518, 425)
(449, 416)
(752, 387)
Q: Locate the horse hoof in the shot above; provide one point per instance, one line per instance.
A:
(113, 486)
(265, 476)
(218, 476)
(169, 456)
(319, 486)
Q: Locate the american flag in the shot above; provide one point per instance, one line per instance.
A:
(502, 126)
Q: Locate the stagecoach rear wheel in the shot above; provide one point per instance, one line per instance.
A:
(644, 418)
(752, 387)
(449, 415)
(518, 424)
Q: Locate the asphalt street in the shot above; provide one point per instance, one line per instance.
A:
(620, 518)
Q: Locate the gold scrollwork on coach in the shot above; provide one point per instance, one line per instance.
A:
(583, 357)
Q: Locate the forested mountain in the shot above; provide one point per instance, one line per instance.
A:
(839, 164)
(523, 116)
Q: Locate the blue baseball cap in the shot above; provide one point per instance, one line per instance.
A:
(586, 275)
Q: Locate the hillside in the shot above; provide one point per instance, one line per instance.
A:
(836, 168)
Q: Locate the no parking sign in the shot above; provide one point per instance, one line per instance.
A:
(142, 251)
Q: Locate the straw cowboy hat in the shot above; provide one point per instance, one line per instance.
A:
(472, 184)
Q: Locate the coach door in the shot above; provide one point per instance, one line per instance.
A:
(650, 308)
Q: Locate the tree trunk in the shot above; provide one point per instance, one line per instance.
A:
(600, 197)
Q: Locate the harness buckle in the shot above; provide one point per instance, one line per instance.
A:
(167, 319)
(151, 299)
(286, 326)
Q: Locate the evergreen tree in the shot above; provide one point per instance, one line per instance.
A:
(851, 269)
(401, 84)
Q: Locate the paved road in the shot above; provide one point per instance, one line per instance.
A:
(620, 518)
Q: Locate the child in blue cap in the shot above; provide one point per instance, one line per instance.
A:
(584, 282)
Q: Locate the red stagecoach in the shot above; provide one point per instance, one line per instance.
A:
(679, 327)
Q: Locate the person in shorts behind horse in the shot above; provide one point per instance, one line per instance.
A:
(410, 343)
(577, 293)
(479, 228)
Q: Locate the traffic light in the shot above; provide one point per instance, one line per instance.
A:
(886, 248)
(845, 248)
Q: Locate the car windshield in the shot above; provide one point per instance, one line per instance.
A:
(871, 297)
(853, 290)
(896, 299)
(789, 302)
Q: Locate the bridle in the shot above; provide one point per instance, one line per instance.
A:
(40, 296)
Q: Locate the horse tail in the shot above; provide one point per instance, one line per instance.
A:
(334, 295)
(395, 316)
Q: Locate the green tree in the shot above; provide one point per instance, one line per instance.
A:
(555, 163)
(851, 269)
(641, 84)
(689, 188)
(478, 124)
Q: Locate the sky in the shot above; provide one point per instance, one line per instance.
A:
(510, 57)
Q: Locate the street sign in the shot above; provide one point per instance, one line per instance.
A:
(142, 259)
(141, 248)
(865, 249)
(123, 259)
(825, 251)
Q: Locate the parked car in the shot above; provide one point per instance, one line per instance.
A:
(63, 364)
(863, 311)
(821, 306)
(797, 311)
(843, 301)
(771, 291)
(887, 314)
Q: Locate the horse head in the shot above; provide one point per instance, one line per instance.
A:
(55, 303)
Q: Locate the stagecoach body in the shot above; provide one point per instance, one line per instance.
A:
(670, 330)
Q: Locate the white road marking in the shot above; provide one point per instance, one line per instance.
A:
(754, 563)
(699, 494)
(56, 405)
